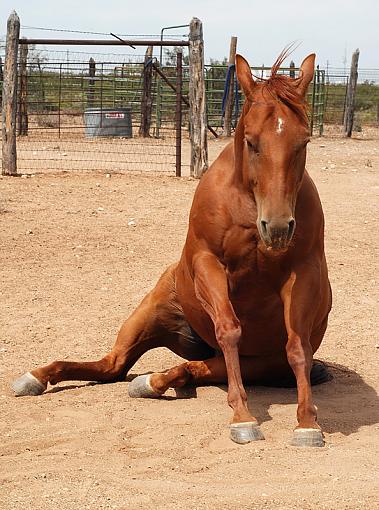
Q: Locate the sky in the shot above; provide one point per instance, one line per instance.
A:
(332, 29)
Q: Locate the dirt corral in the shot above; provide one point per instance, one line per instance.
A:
(78, 252)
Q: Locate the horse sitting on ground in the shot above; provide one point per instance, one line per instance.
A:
(249, 299)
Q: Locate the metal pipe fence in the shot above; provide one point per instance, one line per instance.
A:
(326, 95)
(366, 98)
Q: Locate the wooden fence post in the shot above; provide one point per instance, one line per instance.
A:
(178, 113)
(9, 103)
(197, 113)
(350, 97)
(23, 91)
(292, 69)
(227, 128)
(146, 101)
(91, 83)
(1, 79)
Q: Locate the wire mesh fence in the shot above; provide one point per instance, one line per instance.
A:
(366, 98)
(326, 95)
(216, 78)
(80, 118)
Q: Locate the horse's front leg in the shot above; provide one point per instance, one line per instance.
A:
(301, 298)
(211, 288)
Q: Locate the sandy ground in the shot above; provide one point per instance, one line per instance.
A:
(72, 270)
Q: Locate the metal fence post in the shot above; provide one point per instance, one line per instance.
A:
(322, 101)
(91, 83)
(59, 100)
(313, 102)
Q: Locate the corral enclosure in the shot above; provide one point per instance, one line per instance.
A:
(59, 95)
(58, 89)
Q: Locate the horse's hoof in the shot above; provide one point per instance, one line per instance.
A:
(140, 388)
(246, 432)
(27, 384)
(307, 437)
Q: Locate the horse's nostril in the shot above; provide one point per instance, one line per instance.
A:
(264, 226)
(291, 228)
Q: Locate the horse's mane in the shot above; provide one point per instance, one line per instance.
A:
(284, 88)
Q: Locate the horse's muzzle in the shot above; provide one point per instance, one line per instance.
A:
(276, 234)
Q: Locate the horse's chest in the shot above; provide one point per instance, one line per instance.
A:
(240, 251)
(245, 268)
(259, 308)
(253, 287)
(252, 293)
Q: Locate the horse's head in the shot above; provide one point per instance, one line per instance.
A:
(270, 145)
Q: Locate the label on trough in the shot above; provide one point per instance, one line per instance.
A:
(114, 115)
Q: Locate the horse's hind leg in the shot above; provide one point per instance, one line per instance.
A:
(197, 373)
(211, 371)
(272, 371)
(149, 326)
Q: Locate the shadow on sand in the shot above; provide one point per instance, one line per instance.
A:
(345, 403)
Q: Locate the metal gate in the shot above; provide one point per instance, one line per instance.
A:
(97, 116)
(216, 80)
(317, 102)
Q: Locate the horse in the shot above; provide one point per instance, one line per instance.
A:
(249, 299)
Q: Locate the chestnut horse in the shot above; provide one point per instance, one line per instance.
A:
(250, 297)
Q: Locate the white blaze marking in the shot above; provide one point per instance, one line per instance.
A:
(280, 126)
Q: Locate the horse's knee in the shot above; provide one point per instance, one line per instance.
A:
(112, 366)
(296, 354)
(228, 333)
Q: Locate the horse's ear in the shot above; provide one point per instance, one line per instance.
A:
(244, 76)
(307, 70)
